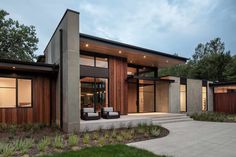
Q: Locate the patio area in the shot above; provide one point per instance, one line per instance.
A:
(133, 120)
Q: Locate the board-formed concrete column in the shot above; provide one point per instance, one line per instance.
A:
(64, 49)
(71, 72)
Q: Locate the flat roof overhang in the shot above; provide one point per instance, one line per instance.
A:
(33, 67)
(148, 79)
(134, 54)
(219, 84)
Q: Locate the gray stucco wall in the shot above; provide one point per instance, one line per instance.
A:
(71, 72)
(210, 97)
(194, 95)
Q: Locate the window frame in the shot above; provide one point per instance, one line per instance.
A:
(95, 56)
(16, 79)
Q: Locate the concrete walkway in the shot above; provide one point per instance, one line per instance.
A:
(195, 139)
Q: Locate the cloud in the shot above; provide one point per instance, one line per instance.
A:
(174, 26)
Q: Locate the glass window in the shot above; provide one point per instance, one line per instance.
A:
(24, 93)
(7, 92)
(101, 62)
(204, 98)
(94, 92)
(86, 60)
(183, 98)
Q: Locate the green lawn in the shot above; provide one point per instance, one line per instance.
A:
(118, 150)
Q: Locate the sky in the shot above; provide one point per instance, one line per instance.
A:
(170, 26)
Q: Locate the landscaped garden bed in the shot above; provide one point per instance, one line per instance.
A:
(214, 117)
(32, 140)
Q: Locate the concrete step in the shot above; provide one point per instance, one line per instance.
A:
(169, 118)
(171, 121)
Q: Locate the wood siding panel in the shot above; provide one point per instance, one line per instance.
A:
(39, 112)
(118, 84)
(225, 102)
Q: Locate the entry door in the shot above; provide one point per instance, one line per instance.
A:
(146, 98)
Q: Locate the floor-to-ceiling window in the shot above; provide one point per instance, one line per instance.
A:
(183, 97)
(141, 89)
(94, 88)
(204, 98)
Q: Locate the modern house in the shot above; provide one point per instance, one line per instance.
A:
(79, 70)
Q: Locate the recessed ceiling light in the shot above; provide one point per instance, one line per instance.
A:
(105, 59)
(120, 51)
(86, 45)
(152, 65)
(13, 67)
(144, 56)
(167, 61)
(131, 61)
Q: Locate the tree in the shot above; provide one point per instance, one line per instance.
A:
(230, 72)
(17, 41)
(209, 61)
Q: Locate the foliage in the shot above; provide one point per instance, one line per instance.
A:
(23, 145)
(210, 61)
(113, 133)
(95, 135)
(17, 41)
(119, 138)
(8, 150)
(106, 134)
(117, 150)
(58, 142)
(141, 128)
(73, 140)
(43, 144)
(127, 135)
(213, 116)
(101, 141)
(86, 138)
(155, 131)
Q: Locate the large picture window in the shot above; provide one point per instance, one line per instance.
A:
(15, 92)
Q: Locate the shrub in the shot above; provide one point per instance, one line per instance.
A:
(8, 150)
(58, 142)
(119, 138)
(127, 135)
(95, 136)
(155, 131)
(101, 141)
(113, 134)
(73, 140)
(106, 135)
(43, 144)
(86, 139)
(23, 145)
(141, 129)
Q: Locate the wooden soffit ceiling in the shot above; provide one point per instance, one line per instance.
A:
(133, 56)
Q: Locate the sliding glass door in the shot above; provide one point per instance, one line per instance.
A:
(94, 92)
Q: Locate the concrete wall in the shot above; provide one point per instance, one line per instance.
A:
(71, 72)
(210, 97)
(194, 95)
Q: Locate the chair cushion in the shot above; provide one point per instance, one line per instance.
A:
(108, 109)
(88, 110)
(113, 113)
(93, 114)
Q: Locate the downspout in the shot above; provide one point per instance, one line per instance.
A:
(61, 78)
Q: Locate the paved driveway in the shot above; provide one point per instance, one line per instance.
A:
(195, 139)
